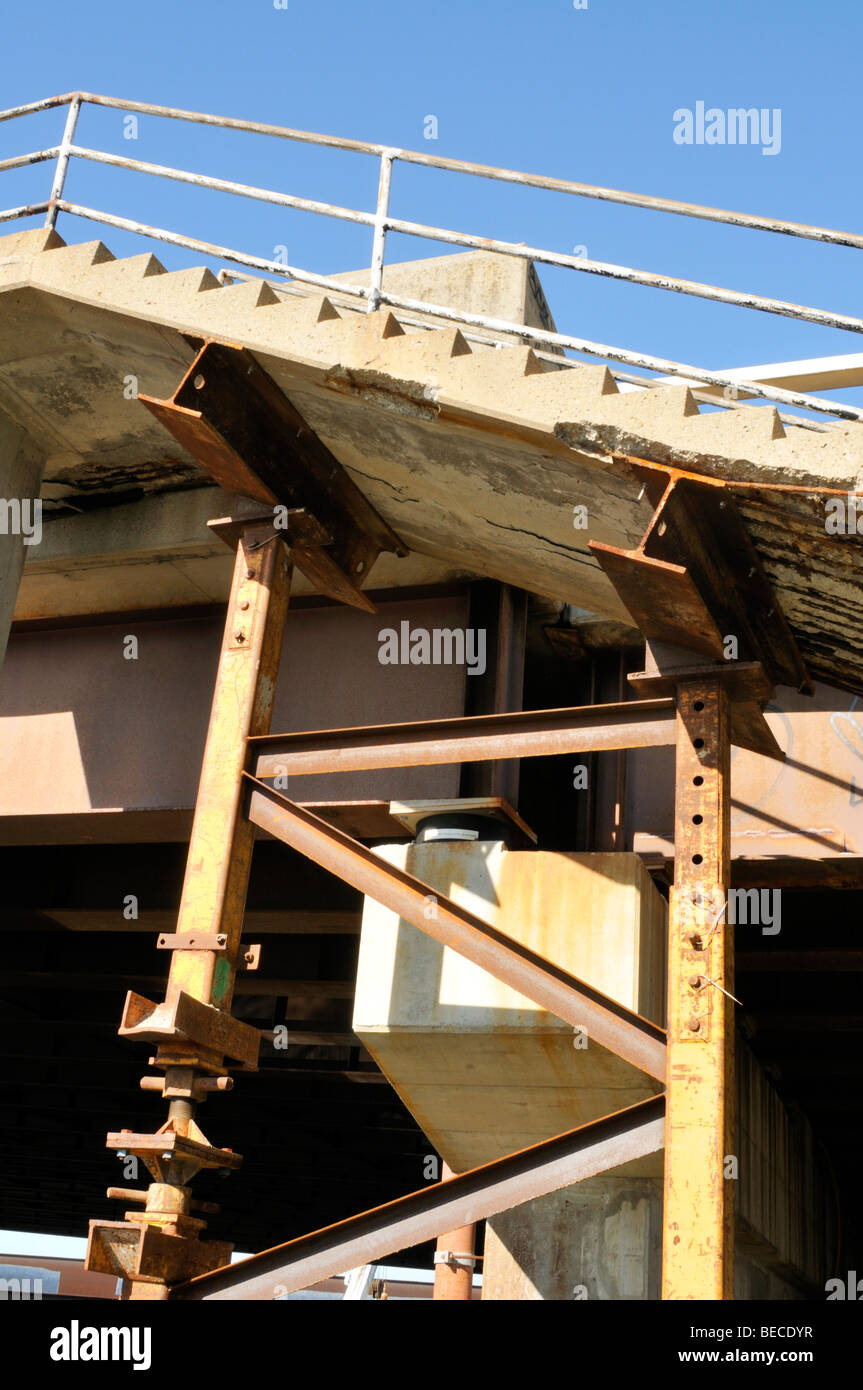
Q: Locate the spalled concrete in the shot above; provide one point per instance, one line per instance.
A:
(477, 457)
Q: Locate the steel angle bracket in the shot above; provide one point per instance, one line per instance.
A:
(696, 577)
(236, 422)
(185, 1021)
(144, 1254)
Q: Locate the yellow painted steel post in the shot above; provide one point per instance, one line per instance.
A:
(698, 1234)
(220, 848)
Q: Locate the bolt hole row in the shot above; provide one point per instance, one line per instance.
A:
(698, 706)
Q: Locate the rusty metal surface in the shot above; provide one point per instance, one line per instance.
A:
(531, 733)
(662, 598)
(800, 821)
(142, 1253)
(696, 577)
(183, 1019)
(214, 888)
(193, 1027)
(460, 1201)
(235, 421)
(455, 1260)
(608, 1023)
(748, 690)
(698, 1221)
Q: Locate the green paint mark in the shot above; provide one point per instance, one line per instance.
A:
(221, 980)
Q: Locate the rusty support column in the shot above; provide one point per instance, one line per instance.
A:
(698, 1236)
(196, 1037)
(220, 848)
(454, 1259)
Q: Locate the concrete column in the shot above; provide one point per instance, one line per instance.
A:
(599, 1240)
(21, 467)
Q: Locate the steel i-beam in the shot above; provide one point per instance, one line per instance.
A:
(698, 1236)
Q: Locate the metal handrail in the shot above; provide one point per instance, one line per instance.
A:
(381, 223)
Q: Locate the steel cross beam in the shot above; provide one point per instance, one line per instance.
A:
(569, 1158)
(608, 1023)
(525, 734)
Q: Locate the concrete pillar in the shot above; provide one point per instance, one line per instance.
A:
(21, 466)
(601, 1239)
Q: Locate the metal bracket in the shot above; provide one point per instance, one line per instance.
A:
(192, 941)
(184, 1020)
(238, 424)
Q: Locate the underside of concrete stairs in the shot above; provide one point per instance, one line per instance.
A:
(476, 456)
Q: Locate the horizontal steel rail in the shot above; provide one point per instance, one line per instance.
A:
(478, 738)
(607, 270)
(676, 206)
(593, 1148)
(505, 327)
(380, 221)
(608, 1023)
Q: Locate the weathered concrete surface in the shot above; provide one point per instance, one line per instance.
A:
(158, 552)
(484, 1070)
(21, 465)
(474, 282)
(476, 457)
(602, 1239)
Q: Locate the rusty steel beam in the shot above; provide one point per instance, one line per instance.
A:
(608, 1023)
(698, 1213)
(193, 1028)
(237, 423)
(220, 849)
(526, 734)
(569, 1158)
(695, 577)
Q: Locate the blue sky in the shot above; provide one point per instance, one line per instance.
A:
(588, 94)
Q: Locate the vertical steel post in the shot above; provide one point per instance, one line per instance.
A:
(698, 1237)
(63, 160)
(220, 849)
(454, 1259)
(380, 237)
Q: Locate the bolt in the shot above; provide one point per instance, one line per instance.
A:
(121, 1153)
(695, 981)
(239, 637)
(244, 605)
(694, 1024)
(250, 574)
(166, 1157)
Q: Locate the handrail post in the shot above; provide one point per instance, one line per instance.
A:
(63, 159)
(380, 238)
